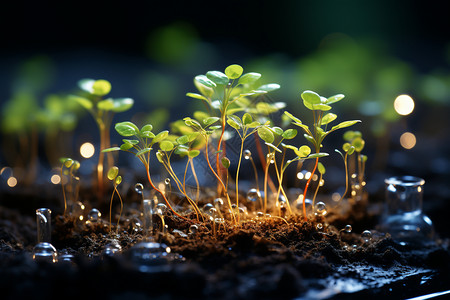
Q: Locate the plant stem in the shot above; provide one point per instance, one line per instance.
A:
(346, 176)
(306, 188)
(317, 189)
(263, 161)
(219, 144)
(237, 176)
(197, 195)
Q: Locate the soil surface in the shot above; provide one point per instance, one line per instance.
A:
(266, 257)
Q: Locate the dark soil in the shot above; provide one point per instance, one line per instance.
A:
(264, 258)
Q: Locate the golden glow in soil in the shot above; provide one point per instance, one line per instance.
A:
(408, 140)
(55, 179)
(87, 150)
(12, 181)
(404, 105)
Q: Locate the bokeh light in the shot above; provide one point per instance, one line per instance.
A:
(404, 105)
(87, 150)
(55, 179)
(12, 181)
(408, 140)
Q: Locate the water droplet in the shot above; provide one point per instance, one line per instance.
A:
(321, 209)
(94, 215)
(218, 202)
(180, 233)
(247, 154)
(45, 252)
(243, 210)
(67, 258)
(139, 188)
(212, 212)
(207, 207)
(167, 181)
(348, 228)
(136, 224)
(345, 247)
(366, 235)
(259, 214)
(319, 226)
(219, 220)
(112, 248)
(253, 195)
(161, 209)
(271, 157)
(193, 229)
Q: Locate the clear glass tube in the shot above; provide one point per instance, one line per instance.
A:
(403, 217)
(149, 210)
(44, 225)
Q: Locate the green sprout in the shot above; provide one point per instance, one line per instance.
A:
(113, 175)
(69, 167)
(354, 138)
(102, 110)
(315, 135)
(348, 149)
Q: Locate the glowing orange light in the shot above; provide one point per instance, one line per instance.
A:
(12, 181)
(55, 179)
(404, 105)
(87, 150)
(408, 140)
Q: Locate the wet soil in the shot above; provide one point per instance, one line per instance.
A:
(263, 258)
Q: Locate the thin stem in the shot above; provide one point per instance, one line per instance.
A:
(197, 195)
(64, 192)
(346, 176)
(194, 205)
(237, 176)
(219, 144)
(317, 189)
(266, 172)
(256, 173)
(306, 188)
(263, 160)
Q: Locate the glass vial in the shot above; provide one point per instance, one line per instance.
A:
(44, 225)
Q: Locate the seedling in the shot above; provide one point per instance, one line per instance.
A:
(315, 135)
(354, 138)
(102, 110)
(69, 167)
(348, 149)
(113, 175)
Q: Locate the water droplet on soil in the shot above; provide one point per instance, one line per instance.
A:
(247, 154)
(94, 215)
(348, 228)
(366, 236)
(253, 195)
(139, 188)
(193, 229)
(45, 252)
(320, 209)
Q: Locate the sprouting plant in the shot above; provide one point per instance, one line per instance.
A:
(354, 138)
(141, 146)
(102, 110)
(315, 135)
(322, 170)
(113, 175)
(348, 149)
(69, 167)
(223, 91)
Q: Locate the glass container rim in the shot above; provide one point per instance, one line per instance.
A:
(405, 180)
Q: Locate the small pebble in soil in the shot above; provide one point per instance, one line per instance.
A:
(45, 252)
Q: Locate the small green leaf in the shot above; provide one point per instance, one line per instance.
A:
(321, 168)
(143, 151)
(160, 136)
(358, 143)
(249, 78)
(266, 134)
(303, 151)
(311, 97)
(293, 118)
(147, 134)
(111, 149)
(132, 142)
(289, 134)
(126, 129)
(269, 87)
(363, 158)
(290, 147)
(346, 147)
(86, 103)
(166, 146)
(196, 96)
(351, 150)
(309, 138)
(254, 124)
(247, 119)
(334, 99)
(101, 87)
(107, 104)
(344, 124)
(118, 180)
(182, 150)
(330, 117)
(193, 136)
(318, 155)
(215, 127)
(234, 71)
(147, 127)
(202, 79)
(225, 162)
(113, 172)
(217, 77)
(68, 162)
(126, 146)
(193, 153)
(122, 104)
(273, 147)
(210, 120)
(318, 106)
(277, 130)
(235, 119)
(160, 156)
(233, 124)
(184, 139)
(86, 85)
(204, 90)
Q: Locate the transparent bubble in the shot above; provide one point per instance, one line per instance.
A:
(320, 209)
(167, 181)
(366, 236)
(259, 214)
(94, 215)
(45, 252)
(253, 195)
(212, 212)
(271, 158)
(139, 188)
(67, 258)
(348, 228)
(207, 207)
(219, 220)
(136, 224)
(218, 202)
(247, 154)
(193, 229)
(319, 226)
(112, 248)
(161, 208)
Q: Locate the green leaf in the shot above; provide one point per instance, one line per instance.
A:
(269, 87)
(351, 150)
(111, 149)
(254, 124)
(166, 146)
(234, 71)
(107, 104)
(202, 79)
(358, 143)
(217, 77)
(122, 104)
(330, 117)
(193, 153)
(126, 129)
(204, 90)
(349, 135)
(68, 162)
(193, 136)
(215, 127)
(310, 139)
(200, 115)
(86, 85)
(277, 130)
(266, 134)
(321, 168)
(86, 103)
(346, 147)
(235, 119)
(147, 127)
(303, 151)
(143, 151)
(318, 155)
(225, 162)
(184, 139)
(160, 136)
(249, 78)
(210, 121)
(233, 124)
(126, 146)
(160, 156)
(118, 180)
(247, 119)
(363, 158)
(147, 134)
(132, 142)
(334, 99)
(101, 87)
(311, 97)
(273, 147)
(113, 172)
(197, 96)
(344, 124)
(289, 134)
(318, 106)
(293, 118)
